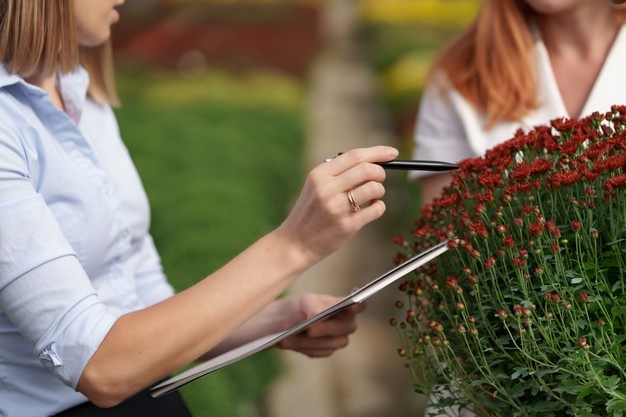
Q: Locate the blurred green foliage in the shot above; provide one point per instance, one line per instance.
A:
(220, 158)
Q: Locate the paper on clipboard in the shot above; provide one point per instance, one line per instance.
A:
(265, 342)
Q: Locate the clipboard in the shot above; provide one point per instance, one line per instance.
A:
(357, 296)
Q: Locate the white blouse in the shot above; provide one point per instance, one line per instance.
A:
(75, 247)
(448, 128)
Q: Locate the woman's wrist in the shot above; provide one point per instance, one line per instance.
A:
(295, 255)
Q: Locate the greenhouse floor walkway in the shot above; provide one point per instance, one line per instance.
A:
(366, 379)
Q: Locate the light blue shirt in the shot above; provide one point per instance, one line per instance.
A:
(75, 251)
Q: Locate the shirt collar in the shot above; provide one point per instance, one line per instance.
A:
(72, 87)
(6, 78)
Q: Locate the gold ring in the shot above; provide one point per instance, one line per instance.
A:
(352, 201)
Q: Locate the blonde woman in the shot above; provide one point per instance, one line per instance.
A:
(87, 318)
(519, 64)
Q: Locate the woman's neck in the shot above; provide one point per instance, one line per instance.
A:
(49, 84)
(587, 31)
(578, 42)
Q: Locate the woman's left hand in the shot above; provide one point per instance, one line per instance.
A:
(325, 337)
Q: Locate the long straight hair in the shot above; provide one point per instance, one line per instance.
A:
(491, 62)
(38, 39)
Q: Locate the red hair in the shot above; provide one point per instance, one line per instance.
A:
(491, 63)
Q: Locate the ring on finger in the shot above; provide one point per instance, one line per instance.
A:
(352, 201)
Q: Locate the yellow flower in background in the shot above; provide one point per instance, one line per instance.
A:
(408, 74)
(452, 13)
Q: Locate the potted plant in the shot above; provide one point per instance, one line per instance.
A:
(526, 316)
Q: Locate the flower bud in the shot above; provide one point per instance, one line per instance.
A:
(472, 280)
(400, 240)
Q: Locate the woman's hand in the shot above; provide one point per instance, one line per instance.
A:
(339, 198)
(325, 337)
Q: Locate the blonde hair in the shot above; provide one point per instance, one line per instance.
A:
(491, 63)
(38, 38)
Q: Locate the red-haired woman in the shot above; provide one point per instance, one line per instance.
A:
(519, 64)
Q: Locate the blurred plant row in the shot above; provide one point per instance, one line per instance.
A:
(219, 156)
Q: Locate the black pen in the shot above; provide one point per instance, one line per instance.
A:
(416, 165)
(413, 165)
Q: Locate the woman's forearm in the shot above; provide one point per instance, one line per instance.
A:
(149, 344)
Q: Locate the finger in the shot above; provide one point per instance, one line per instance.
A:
(311, 345)
(347, 160)
(359, 175)
(332, 328)
(343, 323)
(364, 195)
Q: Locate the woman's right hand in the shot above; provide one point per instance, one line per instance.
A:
(323, 217)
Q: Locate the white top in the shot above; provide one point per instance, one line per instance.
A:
(448, 128)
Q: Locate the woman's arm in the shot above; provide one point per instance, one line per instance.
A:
(148, 344)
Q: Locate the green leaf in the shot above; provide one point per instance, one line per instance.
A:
(517, 390)
(616, 407)
(519, 372)
(581, 324)
(611, 383)
(546, 406)
(568, 386)
(585, 390)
